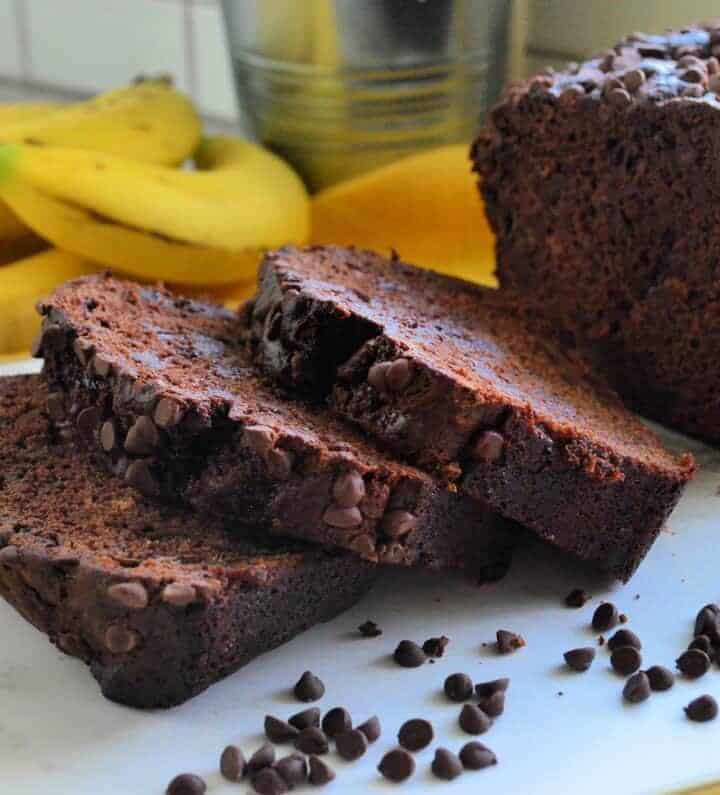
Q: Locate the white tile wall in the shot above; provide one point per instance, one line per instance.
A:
(11, 62)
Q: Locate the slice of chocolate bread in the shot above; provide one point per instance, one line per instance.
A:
(451, 376)
(159, 602)
(600, 182)
(162, 388)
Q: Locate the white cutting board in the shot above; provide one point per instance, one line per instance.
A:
(58, 735)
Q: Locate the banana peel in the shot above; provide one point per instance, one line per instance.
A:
(426, 207)
(18, 112)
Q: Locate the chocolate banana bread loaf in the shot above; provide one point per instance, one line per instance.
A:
(159, 602)
(454, 378)
(600, 182)
(163, 390)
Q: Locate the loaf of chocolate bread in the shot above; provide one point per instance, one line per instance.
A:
(594, 179)
(162, 389)
(456, 379)
(159, 602)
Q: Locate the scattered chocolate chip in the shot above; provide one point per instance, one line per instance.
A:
(493, 705)
(292, 769)
(624, 637)
(263, 757)
(320, 772)
(508, 642)
(702, 709)
(309, 687)
(312, 740)
(186, 784)
(475, 756)
(637, 688)
(305, 719)
(706, 621)
(409, 654)
(458, 687)
(605, 617)
(473, 720)
(488, 447)
(626, 660)
(268, 782)
(580, 659)
(336, 721)
(415, 734)
(371, 728)
(702, 642)
(278, 731)
(693, 663)
(370, 630)
(130, 595)
(397, 765)
(577, 598)
(351, 745)
(446, 765)
(232, 763)
(660, 678)
(435, 647)
(487, 689)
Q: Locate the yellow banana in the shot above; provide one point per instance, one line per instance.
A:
(18, 248)
(15, 112)
(25, 282)
(11, 226)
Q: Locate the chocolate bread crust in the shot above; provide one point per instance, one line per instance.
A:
(162, 389)
(454, 378)
(146, 596)
(600, 182)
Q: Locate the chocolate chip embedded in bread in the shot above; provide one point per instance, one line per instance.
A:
(179, 594)
(9, 555)
(143, 437)
(120, 639)
(259, 439)
(397, 524)
(343, 518)
(398, 375)
(139, 476)
(488, 446)
(130, 595)
(109, 435)
(377, 376)
(348, 489)
(279, 463)
(88, 420)
(82, 351)
(101, 366)
(167, 413)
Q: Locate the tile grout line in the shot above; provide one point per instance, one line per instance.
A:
(189, 51)
(22, 31)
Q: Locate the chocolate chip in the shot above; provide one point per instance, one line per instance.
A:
(377, 376)
(263, 757)
(633, 79)
(306, 719)
(108, 436)
(508, 642)
(139, 476)
(624, 637)
(348, 489)
(88, 420)
(415, 734)
(279, 731)
(167, 413)
(637, 688)
(82, 351)
(694, 90)
(473, 720)
(268, 782)
(320, 772)
(706, 621)
(351, 745)
(702, 709)
(619, 98)
(487, 689)
(280, 463)
(458, 687)
(56, 406)
(435, 647)
(693, 663)
(446, 765)
(626, 660)
(130, 595)
(488, 446)
(312, 740)
(580, 659)
(693, 75)
(702, 642)
(336, 721)
(369, 629)
(660, 678)
(179, 594)
(143, 437)
(259, 439)
(397, 765)
(344, 518)
(232, 763)
(9, 555)
(397, 524)
(186, 784)
(622, 618)
(577, 598)
(714, 84)
(493, 705)
(605, 617)
(309, 687)
(476, 756)
(119, 639)
(398, 375)
(371, 728)
(101, 366)
(409, 654)
(292, 769)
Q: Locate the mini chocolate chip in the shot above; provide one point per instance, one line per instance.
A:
(279, 731)
(397, 765)
(435, 647)
(637, 688)
(377, 376)
(488, 446)
(232, 763)
(660, 678)
(139, 476)
(446, 765)
(694, 90)
(622, 618)
(336, 721)
(577, 598)
(120, 639)
(167, 413)
(624, 637)
(306, 719)
(263, 757)
(179, 594)
(280, 463)
(143, 437)
(348, 489)
(706, 621)
(369, 629)
(397, 524)
(82, 351)
(108, 435)
(186, 784)
(130, 595)
(712, 65)
(487, 689)
(309, 687)
(619, 98)
(415, 734)
(693, 663)
(88, 420)
(633, 79)
(258, 438)
(473, 720)
(320, 772)
(398, 376)
(693, 75)
(312, 740)
(702, 709)
(292, 769)
(56, 406)
(626, 660)
(493, 705)
(409, 654)
(702, 642)
(9, 555)
(371, 728)
(508, 642)
(101, 366)
(343, 518)
(268, 782)
(458, 687)
(351, 745)
(476, 756)
(714, 84)
(580, 659)
(605, 617)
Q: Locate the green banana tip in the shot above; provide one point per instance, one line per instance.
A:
(8, 156)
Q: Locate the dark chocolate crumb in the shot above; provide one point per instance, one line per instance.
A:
(397, 765)
(370, 630)
(577, 598)
(309, 687)
(415, 734)
(580, 659)
(409, 654)
(508, 642)
(702, 709)
(622, 618)
(435, 647)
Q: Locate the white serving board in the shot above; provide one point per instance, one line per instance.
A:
(58, 736)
